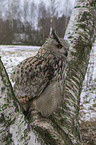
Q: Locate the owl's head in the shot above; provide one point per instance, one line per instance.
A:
(56, 45)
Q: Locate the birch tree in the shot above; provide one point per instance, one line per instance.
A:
(53, 13)
(33, 14)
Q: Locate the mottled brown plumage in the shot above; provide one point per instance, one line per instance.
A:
(35, 75)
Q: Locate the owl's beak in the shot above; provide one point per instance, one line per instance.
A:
(66, 54)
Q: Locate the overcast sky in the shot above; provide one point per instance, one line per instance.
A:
(60, 1)
(61, 4)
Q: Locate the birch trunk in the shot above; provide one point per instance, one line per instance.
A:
(63, 126)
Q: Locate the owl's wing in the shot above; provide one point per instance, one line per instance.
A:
(31, 77)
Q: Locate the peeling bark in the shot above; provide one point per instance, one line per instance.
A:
(63, 126)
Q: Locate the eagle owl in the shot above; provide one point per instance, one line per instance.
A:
(38, 80)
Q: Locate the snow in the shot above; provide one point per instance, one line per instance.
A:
(88, 95)
(11, 55)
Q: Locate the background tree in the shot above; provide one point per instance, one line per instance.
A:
(42, 16)
(33, 14)
(66, 12)
(25, 18)
(21, 17)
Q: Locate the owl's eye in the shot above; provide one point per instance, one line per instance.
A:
(59, 46)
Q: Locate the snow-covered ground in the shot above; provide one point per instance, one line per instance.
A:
(88, 95)
(11, 55)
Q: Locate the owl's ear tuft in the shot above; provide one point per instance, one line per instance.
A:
(53, 34)
(56, 37)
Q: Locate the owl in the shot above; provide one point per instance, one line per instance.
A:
(38, 80)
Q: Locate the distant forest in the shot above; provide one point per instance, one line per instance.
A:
(15, 31)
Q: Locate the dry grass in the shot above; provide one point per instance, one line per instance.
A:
(88, 133)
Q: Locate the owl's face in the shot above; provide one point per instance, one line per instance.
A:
(56, 45)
